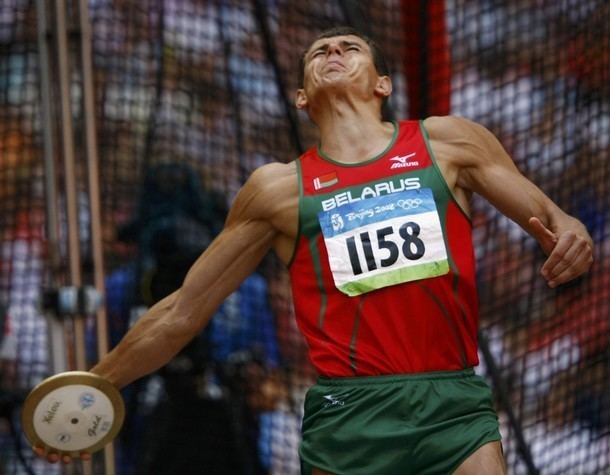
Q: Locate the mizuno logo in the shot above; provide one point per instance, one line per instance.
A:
(400, 161)
(334, 400)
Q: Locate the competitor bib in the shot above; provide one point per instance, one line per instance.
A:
(383, 241)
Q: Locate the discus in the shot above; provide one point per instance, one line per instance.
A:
(73, 412)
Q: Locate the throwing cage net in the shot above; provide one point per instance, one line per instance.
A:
(192, 96)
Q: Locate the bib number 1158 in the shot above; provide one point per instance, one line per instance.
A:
(408, 244)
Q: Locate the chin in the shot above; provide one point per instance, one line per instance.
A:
(335, 80)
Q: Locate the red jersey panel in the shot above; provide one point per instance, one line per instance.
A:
(383, 275)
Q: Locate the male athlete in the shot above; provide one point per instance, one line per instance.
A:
(374, 226)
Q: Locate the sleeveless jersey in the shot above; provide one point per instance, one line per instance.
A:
(383, 272)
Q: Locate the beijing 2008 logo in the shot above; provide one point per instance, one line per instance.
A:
(337, 222)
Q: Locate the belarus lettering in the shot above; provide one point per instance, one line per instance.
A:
(379, 189)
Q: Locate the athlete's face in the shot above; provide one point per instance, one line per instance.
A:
(338, 63)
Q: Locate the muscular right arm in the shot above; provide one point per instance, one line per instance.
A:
(250, 231)
(473, 160)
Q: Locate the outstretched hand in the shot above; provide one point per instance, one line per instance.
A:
(570, 252)
(54, 457)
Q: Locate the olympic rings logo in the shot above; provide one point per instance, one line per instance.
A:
(410, 203)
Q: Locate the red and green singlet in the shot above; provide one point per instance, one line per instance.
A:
(383, 273)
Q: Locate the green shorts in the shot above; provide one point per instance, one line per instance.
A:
(420, 424)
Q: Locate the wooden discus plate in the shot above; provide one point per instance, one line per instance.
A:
(73, 412)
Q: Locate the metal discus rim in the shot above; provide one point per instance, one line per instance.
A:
(85, 378)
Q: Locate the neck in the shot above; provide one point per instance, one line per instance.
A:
(352, 133)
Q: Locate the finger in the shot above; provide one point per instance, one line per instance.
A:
(564, 277)
(560, 260)
(558, 253)
(542, 234)
(39, 451)
(580, 266)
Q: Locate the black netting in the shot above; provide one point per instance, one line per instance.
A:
(23, 339)
(537, 75)
(191, 96)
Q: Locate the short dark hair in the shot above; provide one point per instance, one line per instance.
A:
(378, 58)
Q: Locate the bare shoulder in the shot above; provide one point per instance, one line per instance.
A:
(451, 127)
(462, 141)
(273, 181)
(274, 175)
(269, 192)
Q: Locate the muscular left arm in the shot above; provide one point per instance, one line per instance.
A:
(479, 163)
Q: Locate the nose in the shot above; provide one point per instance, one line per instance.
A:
(334, 48)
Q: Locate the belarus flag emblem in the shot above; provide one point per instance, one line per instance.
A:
(324, 181)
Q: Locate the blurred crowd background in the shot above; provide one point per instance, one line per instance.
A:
(190, 97)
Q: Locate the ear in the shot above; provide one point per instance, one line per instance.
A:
(301, 99)
(384, 86)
